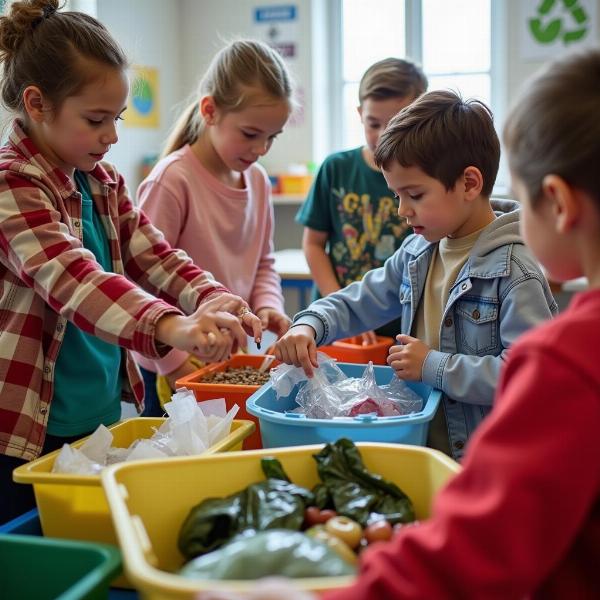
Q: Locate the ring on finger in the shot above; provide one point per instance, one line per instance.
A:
(243, 311)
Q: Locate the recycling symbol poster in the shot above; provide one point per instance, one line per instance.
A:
(550, 27)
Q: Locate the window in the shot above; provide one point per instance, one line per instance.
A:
(435, 33)
(368, 35)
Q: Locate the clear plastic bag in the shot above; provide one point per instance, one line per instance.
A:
(190, 429)
(330, 393)
(284, 378)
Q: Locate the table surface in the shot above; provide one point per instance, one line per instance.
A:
(291, 264)
(575, 285)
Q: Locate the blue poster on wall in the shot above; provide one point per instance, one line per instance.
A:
(278, 26)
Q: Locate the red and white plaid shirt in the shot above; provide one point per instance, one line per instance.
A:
(48, 277)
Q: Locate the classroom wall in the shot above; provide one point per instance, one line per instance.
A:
(179, 37)
(518, 70)
(207, 25)
(149, 31)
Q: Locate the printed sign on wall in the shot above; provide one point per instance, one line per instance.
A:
(142, 108)
(277, 25)
(549, 27)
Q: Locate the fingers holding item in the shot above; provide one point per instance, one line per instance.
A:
(278, 350)
(213, 345)
(396, 349)
(312, 355)
(252, 325)
(227, 321)
(265, 317)
(225, 302)
(405, 339)
(396, 358)
(303, 360)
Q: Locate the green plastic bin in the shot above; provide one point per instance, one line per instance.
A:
(37, 568)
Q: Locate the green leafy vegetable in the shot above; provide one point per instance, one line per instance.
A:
(356, 493)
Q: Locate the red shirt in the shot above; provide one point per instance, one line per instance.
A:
(522, 520)
(48, 277)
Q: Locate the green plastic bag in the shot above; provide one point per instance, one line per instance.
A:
(355, 492)
(275, 552)
(270, 504)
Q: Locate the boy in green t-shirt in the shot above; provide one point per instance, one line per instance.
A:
(350, 218)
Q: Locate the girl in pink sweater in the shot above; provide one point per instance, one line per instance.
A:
(209, 196)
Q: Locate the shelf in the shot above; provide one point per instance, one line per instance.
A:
(288, 199)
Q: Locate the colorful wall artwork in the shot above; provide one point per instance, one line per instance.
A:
(143, 107)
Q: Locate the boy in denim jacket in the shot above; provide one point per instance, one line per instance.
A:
(464, 284)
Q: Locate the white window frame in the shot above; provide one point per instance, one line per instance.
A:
(413, 29)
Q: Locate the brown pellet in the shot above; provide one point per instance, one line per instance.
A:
(238, 376)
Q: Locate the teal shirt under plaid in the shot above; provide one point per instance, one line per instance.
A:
(48, 277)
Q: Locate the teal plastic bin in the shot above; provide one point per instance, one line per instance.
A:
(280, 428)
(37, 568)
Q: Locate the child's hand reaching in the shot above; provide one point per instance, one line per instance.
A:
(213, 330)
(407, 358)
(297, 347)
(273, 320)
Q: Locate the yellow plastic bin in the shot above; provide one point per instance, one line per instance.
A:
(148, 516)
(74, 506)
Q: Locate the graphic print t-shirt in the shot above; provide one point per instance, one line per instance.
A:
(351, 201)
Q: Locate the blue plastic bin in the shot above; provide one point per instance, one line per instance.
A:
(280, 428)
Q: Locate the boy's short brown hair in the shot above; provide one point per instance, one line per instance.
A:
(392, 78)
(443, 134)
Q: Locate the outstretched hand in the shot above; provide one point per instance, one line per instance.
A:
(297, 347)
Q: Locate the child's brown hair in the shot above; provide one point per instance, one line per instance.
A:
(443, 134)
(238, 71)
(42, 47)
(392, 78)
(564, 137)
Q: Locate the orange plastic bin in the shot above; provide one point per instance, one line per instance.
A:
(352, 350)
(233, 393)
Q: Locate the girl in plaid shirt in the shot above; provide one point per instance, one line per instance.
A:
(84, 277)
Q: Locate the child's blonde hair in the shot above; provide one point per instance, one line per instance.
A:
(554, 125)
(392, 78)
(42, 47)
(232, 79)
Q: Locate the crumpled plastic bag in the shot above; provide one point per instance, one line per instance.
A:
(331, 394)
(274, 552)
(190, 429)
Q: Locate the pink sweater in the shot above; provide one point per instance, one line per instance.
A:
(226, 231)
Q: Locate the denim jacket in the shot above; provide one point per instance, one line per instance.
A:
(499, 293)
